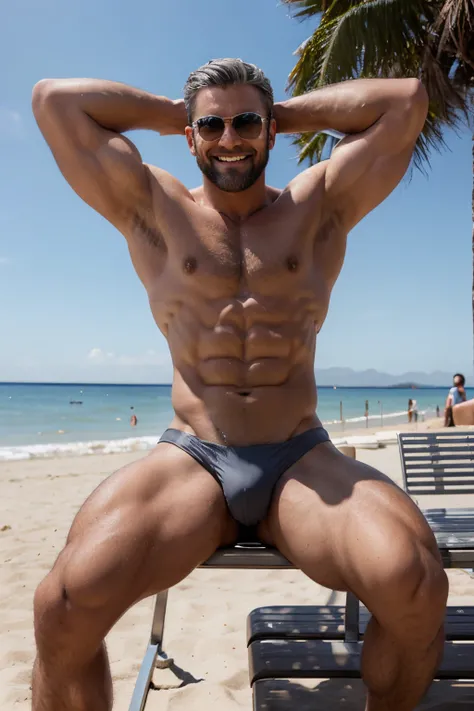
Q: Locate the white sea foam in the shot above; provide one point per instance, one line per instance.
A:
(77, 449)
(136, 444)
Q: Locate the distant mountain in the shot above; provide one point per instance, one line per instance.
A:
(406, 386)
(347, 377)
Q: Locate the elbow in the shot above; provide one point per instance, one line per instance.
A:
(41, 93)
(45, 92)
(417, 104)
(416, 92)
(409, 107)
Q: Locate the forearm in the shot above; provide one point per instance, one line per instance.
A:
(349, 107)
(114, 106)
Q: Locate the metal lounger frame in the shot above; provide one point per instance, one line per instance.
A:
(247, 555)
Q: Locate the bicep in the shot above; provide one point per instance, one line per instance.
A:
(104, 168)
(366, 167)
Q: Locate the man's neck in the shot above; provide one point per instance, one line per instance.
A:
(236, 206)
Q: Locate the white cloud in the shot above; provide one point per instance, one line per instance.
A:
(97, 355)
(11, 123)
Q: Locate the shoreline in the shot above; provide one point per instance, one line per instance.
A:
(339, 434)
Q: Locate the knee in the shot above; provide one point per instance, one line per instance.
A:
(72, 614)
(77, 589)
(50, 614)
(426, 585)
(415, 592)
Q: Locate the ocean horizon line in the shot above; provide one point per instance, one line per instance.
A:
(168, 385)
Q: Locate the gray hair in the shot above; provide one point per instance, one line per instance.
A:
(222, 72)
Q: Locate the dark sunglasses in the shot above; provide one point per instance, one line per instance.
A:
(247, 125)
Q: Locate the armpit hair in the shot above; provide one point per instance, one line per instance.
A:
(151, 235)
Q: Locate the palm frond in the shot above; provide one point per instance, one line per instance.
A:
(307, 8)
(387, 38)
(374, 38)
(313, 147)
(310, 147)
(455, 25)
(447, 100)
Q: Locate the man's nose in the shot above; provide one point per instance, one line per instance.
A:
(230, 138)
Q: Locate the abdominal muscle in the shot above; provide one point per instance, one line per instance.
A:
(243, 383)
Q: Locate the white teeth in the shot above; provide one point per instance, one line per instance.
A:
(228, 159)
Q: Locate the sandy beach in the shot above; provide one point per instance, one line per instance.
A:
(205, 628)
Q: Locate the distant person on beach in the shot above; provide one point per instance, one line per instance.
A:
(414, 409)
(133, 419)
(410, 410)
(239, 276)
(456, 395)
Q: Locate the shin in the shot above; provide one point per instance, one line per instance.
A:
(71, 670)
(403, 649)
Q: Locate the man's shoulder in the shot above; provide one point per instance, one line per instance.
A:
(311, 178)
(164, 182)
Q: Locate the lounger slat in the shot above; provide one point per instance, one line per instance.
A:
(439, 450)
(440, 463)
(437, 447)
(246, 556)
(434, 452)
(454, 539)
(451, 526)
(293, 659)
(441, 486)
(415, 491)
(441, 480)
(449, 513)
(457, 558)
(312, 622)
(452, 436)
(416, 470)
(461, 527)
(288, 695)
(448, 518)
(306, 611)
(455, 631)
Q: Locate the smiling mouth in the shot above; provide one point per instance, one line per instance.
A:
(231, 159)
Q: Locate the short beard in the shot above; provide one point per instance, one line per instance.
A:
(233, 181)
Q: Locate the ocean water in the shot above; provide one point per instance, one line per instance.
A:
(38, 420)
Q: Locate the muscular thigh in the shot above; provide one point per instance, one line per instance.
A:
(345, 524)
(144, 529)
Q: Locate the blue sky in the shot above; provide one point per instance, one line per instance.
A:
(71, 307)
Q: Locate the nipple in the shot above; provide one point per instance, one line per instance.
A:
(292, 264)
(190, 265)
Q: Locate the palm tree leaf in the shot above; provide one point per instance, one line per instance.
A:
(339, 48)
(308, 8)
(432, 40)
(310, 147)
(382, 38)
(455, 24)
(447, 100)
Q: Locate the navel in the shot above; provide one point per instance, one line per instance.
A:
(292, 264)
(190, 265)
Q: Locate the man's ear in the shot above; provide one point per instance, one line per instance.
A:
(189, 133)
(272, 130)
